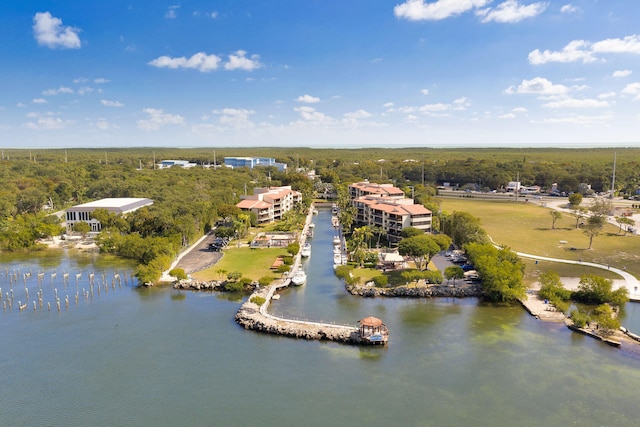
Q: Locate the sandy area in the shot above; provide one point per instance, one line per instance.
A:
(88, 244)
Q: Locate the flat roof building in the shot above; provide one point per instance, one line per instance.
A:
(252, 162)
(165, 164)
(120, 206)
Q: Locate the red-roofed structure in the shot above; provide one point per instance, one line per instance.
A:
(385, 207)
(270, 203)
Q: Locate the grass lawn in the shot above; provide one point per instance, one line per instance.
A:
(526, 227)
(252, 263)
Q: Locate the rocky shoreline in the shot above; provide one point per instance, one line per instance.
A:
(465, 290)
(251, 317)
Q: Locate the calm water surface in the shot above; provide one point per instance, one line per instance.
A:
(140, 357)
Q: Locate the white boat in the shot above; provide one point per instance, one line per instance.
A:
(275, 297)
(306, 251)
(337, 250)
(336, 240)
(337, 259)
(299, 278)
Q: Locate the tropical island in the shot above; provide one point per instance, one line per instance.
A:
(555, 210)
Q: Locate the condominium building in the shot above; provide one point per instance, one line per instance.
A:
(385, 207)
(270, 203)
(121, 206)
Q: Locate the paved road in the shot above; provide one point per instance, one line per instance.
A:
(196, 257)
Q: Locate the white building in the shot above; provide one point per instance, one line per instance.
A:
(270, 203)
(165, 164)
(121, 206)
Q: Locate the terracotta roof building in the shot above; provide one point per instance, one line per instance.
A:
(385, 207)
(271, 203)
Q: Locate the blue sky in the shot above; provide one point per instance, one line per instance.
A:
(320, 73)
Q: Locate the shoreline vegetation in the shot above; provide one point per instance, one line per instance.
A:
(190, 202)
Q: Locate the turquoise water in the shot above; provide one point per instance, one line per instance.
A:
(139, 357)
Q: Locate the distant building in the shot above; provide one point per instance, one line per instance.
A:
(179, 163)
(270, 204)
(385, 206)
(252, 162)
(513, 186)
(121, 206)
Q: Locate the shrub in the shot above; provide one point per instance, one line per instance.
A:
(258, 300)
(343, 271)
(433, 277)
(234, 286)
(266, 280)
(579, 319)
(245, 282)
(178, 273)
(287, 260)
(381, 281)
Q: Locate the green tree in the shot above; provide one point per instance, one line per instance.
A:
(551, 287)
(410, 232)
(453, 272)
(623, 220)
(81, 227)
(593, 227)
(555, 215)
(575, 199)
(464, 228)
(419, 248)
(501, 271)
(293, 248)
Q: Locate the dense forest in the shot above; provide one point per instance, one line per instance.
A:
(187, 202)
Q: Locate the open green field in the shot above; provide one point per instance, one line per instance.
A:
(526, 227)
(252, 263)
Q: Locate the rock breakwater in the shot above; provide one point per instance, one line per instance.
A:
(462, 291)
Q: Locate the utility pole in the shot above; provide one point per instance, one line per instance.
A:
(613, 178)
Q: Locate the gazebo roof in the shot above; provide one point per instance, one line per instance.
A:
(370, 321)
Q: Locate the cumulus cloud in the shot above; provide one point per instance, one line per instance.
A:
(511, 12)
(235, 118)
(108, 103)
(358, 114)
(157, 118)
(574, 51)
(308, 99)
(199, 61)
(419, 10)
(172, 12)
(205, 63)
(39, 101)
(101, 80)
(239, 61)
(49, 31)
(537, 86)
(569, 8)
(576, 103)
(622, 73)
(425, 91)
(310, 115)
(632, 89)
(585, 51)
(61, 89)
(46, 122)
(607, 95)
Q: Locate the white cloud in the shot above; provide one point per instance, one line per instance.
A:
(358, 114)
(86, 89)
(607, 95)
(199, 61)
(576, 103)
(574, 51)
(425, 91)
(308, 99)
(310, 115)
(629, 44)
(632, 89)
(388, 104)
(61, 89)
(46, 122)
(585, 51)
(157, 118)
(235, 118)
(240, 61)
(519, 110)
(622, 73)
(39, 101)
(103, 124)
(511, 12)
(419, 10)
(101, 80)
(108, 103)
(569, 8)
(579, 120)
(171, 13)
(50, 32)
(538, 86)
(507, 116)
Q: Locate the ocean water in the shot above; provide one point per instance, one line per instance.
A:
(162, 357)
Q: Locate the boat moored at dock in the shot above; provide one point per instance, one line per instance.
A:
(299, 278)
